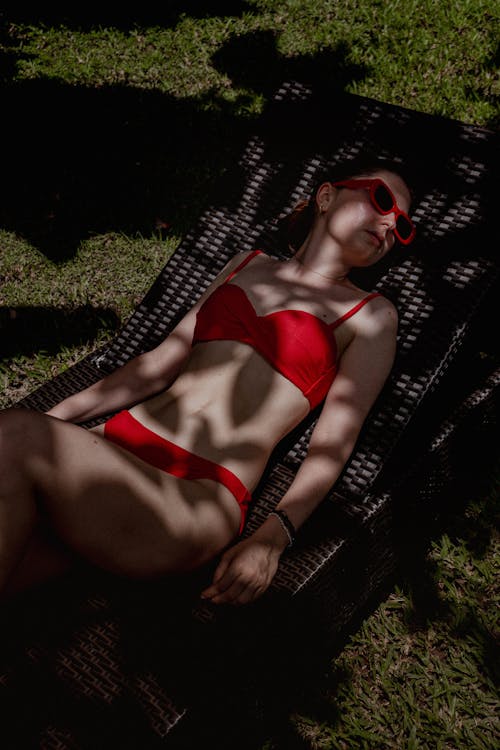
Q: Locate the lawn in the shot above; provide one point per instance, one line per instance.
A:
(117, 127)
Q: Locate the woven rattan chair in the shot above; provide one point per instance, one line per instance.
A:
(126, 663)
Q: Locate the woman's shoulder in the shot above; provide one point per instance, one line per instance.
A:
(383, 314)
(240, 260)
(245, 256)
(377, 312)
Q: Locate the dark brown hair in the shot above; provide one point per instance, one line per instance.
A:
(299, 222)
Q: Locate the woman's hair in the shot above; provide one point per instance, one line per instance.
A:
(299, 222)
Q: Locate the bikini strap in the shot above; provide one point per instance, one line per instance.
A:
(354, 309)
(242, 264)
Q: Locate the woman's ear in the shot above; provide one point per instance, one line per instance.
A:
(324, 195)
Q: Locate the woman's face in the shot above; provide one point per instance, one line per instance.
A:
(355, 224)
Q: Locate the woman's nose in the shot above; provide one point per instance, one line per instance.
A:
(389, 221)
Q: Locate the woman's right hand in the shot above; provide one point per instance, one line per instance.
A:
(247, 569)
(244, 573)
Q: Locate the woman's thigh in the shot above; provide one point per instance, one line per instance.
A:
(119, 512)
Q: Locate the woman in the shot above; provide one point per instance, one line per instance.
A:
(164, 485)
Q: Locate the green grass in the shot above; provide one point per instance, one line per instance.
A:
(422, 671)
(426, 680)
(66, 310)
(435, 57)
(82, 238)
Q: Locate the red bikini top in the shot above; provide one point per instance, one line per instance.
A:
(298, 344)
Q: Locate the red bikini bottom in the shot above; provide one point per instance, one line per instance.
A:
(124, 430)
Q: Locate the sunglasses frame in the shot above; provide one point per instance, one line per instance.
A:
(371, 185)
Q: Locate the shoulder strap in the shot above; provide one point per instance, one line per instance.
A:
(354, 309)
(242, 264)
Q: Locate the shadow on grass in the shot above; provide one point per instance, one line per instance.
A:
(252, 62)
(469, 516)
(83, 161)
(27, 330)
(85, 18)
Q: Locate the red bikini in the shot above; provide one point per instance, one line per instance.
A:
(126, 431)
(296, 343)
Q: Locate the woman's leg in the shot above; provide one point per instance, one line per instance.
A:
(105, 504)
(45, 557)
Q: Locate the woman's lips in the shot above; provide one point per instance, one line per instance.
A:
(377, 239)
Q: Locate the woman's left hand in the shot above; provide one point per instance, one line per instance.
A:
(244, 572)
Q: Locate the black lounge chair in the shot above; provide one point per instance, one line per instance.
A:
(140, 666)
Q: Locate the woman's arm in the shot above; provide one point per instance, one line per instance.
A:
(364, 368)
(143, 376)
(246, 569)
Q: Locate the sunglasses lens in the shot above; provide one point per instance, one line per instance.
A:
(403, 227)
(385, 203)
(383, 198)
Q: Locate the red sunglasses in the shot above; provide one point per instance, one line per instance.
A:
(385, 203)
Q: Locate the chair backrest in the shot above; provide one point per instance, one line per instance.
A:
(437, 285)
